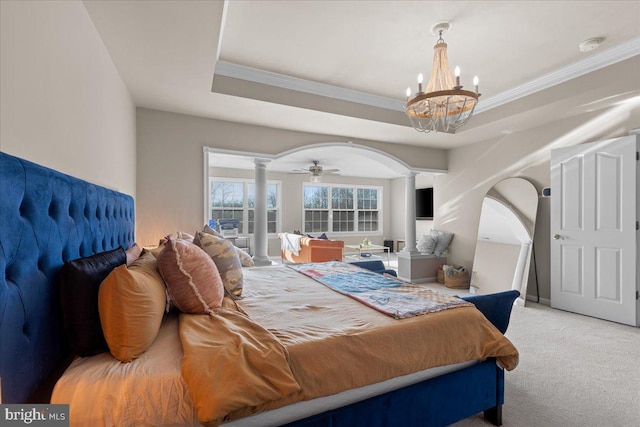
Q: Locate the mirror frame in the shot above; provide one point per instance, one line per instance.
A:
(523, 196)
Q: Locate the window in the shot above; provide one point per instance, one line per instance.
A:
(367, 209)
(235, 199)
(316, 209)
(350, 209)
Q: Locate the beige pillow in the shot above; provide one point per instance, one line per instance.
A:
(192, 279)
(131, 302)
(184, 236)
(245, 259)
(133, 253)
(207, 229)
(226, 258)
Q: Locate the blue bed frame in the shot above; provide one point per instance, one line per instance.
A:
(47, 218)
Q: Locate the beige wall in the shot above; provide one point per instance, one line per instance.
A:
(474, 169)
(170, 163)
(63, 103)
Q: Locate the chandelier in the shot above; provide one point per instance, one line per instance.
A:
(443, 107)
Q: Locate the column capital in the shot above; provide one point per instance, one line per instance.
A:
(261, 162)
(410, 174)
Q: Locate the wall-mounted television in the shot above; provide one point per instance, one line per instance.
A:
(424, 203)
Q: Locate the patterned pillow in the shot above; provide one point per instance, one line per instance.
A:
(444, 239)
(132, 303)
(226, 259)
(192, 279)
(427, 244)
(209, 230)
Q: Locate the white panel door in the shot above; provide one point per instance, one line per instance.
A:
(593, 226)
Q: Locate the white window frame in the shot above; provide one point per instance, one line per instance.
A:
(245, 204)
(355, 188)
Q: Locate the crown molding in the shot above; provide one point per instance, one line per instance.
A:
(242, 72)
(579, 68)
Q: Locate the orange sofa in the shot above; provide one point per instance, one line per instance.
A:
(314, 250)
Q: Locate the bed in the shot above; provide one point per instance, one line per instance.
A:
(49, 218)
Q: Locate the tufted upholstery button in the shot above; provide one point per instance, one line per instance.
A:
(41, 264)
(23, 208)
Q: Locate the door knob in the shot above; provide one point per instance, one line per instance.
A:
(557, 237)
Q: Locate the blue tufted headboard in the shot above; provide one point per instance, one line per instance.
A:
(46, 218)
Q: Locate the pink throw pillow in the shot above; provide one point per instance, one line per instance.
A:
(193, 281)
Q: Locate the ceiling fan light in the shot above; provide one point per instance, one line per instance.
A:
(315, 178)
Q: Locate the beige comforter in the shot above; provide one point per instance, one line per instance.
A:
(291, 338)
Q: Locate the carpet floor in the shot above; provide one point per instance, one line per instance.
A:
(574, 371)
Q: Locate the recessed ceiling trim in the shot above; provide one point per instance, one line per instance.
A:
(237, 71)
(579, 68)
(584, 66)
(225, 9)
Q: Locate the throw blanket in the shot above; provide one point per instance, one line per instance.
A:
(383, 293)
(291, 242)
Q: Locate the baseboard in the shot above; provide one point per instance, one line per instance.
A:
(543, 301)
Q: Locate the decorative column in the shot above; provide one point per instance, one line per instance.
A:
(410, 213)
(261, 256)
(412, 265)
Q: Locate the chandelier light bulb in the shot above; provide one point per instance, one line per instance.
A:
(408, 92)
(476, 80)
(420, 78)
(457, 71)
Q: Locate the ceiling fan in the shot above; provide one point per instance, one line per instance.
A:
(316, 171)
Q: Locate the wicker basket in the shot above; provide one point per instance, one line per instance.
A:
(440, 277)
(459, 281)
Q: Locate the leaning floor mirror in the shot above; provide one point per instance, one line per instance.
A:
(505, 238)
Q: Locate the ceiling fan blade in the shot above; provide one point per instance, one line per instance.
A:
(330, 170)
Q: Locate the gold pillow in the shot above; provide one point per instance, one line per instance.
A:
(224, 254)
(131, 302)
(192, 279)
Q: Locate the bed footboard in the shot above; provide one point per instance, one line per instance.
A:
(438, 401)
